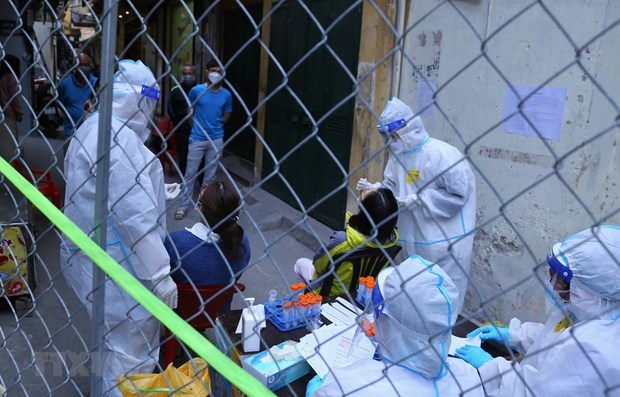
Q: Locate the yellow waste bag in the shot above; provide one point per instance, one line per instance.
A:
(189, 380)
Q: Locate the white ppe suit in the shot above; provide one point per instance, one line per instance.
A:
(413, 334)
(136, 226)
(564, 357)
(439, 226)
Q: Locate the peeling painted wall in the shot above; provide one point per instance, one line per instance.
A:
(532, 192)
(374, 73)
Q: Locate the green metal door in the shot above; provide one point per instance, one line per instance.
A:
(242, 57)
(309, 118)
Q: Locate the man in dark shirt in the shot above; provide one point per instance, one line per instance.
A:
(179, 110)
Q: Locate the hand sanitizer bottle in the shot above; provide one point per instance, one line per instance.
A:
(250, 328)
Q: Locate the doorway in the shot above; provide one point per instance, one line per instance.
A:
(309, 119)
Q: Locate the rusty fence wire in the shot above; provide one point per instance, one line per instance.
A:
(501, 143)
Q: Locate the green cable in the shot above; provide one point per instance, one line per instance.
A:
(192, 338)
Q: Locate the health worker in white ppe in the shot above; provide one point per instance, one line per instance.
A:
(436, 189)
(575, 353)
(136, 226)
(410, 316)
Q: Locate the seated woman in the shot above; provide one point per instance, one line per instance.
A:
(214, 253)
(361, 231)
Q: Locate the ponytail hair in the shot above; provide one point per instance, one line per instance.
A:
(219, 204)
(382, 209)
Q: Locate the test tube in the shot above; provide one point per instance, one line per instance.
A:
(294, 292)
(370, 284)
(312, 305)
(304, 309)
(317, 310)
(295, 312)
(361, 290)
(272, 297)
(287, 308)
(301, 286)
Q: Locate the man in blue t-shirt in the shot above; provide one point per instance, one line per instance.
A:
(74, 91)
(212, 105)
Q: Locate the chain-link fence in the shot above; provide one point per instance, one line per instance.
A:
(212, 149)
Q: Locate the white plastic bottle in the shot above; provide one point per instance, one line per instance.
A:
(250, 328)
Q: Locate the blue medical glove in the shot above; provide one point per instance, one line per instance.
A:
(474, 355)
(314, 385)
(491, 332)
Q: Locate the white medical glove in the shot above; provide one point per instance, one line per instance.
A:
(408, 200)
(363, 184)
(166, 291)
(172, 190)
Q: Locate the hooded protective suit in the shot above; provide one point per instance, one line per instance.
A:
(413, 336)
(564, 357)
(136, 227)
(438, 189)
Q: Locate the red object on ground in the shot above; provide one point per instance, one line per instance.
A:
(42, 180)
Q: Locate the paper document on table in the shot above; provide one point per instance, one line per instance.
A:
(307, 350)
(344, 311)
(335, 316)
(351, 348)
(330, 346)
(348, 305)
(460, 342)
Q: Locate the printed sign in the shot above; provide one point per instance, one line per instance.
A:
(544, 111)
(13, 263)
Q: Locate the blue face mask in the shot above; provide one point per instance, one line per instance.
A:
(188, 78)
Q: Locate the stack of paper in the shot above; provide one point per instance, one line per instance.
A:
(341, 312)
(334, 346)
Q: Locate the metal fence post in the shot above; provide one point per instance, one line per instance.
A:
(101, 193)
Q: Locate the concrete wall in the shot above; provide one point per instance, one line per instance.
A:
(527, 199)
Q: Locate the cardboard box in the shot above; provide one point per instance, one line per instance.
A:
(275, 374)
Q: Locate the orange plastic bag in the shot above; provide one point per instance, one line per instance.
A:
(191, 379)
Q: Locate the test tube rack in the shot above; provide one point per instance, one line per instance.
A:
(275, 314)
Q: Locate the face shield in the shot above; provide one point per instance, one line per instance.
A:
(389, 132)
(401, 128)
(135, 97)
(559, 285)
(559, 264)
(557, 290)
(586, 264)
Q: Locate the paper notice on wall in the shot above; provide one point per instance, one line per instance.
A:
(544, 110)
(424, 99)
